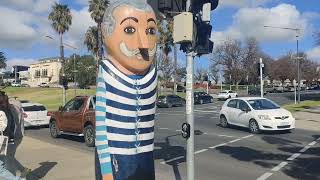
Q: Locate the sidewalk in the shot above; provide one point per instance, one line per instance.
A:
(52, 162)
(307, 120)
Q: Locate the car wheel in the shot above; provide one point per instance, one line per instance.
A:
(89, 135)
(54, 130)
(169, 105)
(201, 101)
(236, 96)
(211, 100)
(223, 122)
(254, 127)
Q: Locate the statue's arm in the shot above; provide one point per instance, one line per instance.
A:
(101, 128)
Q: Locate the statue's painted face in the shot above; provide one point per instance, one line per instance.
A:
(132, 44)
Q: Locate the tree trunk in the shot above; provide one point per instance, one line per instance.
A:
(62, 70)
(100, 51)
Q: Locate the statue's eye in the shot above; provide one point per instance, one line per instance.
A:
(151, 31)
(129, 30)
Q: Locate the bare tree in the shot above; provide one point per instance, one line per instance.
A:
(252, 53)
(200, 75)
(230, 55)
(284, 68)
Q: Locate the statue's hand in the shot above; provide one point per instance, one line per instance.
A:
(107, 177)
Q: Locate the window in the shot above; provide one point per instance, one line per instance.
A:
(33, 108)
(44, 72)
(37, 74)
(92, 102)
(74, 105)
(232, 104)
(263, 104)
(243, 105)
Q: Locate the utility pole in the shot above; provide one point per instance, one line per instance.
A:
(175, 69)
(230, 81)
(261, 77)
(221, 88)
(247, 84)
(75, 74)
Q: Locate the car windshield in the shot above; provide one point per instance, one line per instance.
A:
(263, 104)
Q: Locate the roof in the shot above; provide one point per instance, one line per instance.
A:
(248, 98)
(30, 104)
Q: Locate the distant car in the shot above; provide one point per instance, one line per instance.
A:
(170, 101)
(15, 84)
(24, 101)
(202, 97)
(227, 95)
(181, 88)
(256, 91)
(44, 85)
(34, 114)
(25, 85)
(257, 114)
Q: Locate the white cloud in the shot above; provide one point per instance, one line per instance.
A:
(38, 6)
(250, 22)
(314, 54)
(242, 3)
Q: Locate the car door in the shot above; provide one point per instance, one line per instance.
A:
(244, 114)
(71, 115)
(231, 110)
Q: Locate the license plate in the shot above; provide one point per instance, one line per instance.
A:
(284, 123)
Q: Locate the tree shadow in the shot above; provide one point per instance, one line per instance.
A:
(166, 152)
(279, 141)
(41, 171)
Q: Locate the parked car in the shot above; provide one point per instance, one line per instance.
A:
(34, 114)
(25, 85)
(170, 101)
(15, 84)
(76, 118)
(181, 88)
(257, 114)
(256, 91)
(227, 95)
(44, 85)
(202, 97)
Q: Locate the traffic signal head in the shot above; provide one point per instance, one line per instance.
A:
(203, 44)
(197, 5)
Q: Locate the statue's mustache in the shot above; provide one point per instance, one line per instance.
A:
(141, 52)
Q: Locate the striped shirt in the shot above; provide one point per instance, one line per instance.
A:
(125, 111)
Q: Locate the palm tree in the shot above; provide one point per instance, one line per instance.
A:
(91, 40)
(3, 60)
(61, 20)
(97, 9)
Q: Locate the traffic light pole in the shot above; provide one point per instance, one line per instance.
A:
(261, 77)
(190, 110)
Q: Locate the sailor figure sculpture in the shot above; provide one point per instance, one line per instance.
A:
(126, 92)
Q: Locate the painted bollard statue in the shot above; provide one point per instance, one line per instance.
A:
(126, 92)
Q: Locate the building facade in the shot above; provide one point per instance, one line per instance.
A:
(45, 71)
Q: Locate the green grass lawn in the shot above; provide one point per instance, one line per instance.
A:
(303, 105)
(50, 97)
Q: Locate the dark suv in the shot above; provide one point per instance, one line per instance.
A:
(202, 97)
(170, 101)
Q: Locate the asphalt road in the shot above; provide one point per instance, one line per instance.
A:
(221, 154)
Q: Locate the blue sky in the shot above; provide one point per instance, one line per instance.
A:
(25, 25)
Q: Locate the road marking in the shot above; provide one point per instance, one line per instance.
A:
(284, 163)
(201, 151)
(279, 166)
(219, 145)
(313, 143)
(294, 156)
(225, 136)
(247, 136)
(265, 176)
(178, 130)
(233, 141)
(205, 111)
(170, 160)
(305, 149)
(164, 128)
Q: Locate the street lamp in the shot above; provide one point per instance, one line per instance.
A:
(297, 30)
(63, 64)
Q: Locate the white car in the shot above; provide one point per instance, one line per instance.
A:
(227, 95)
(34, 114)
(257, 114)
(15, 84)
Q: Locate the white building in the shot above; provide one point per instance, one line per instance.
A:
(45, 71)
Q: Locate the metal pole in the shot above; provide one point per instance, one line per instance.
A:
(247, 84)
(299, 79)
(261, 78)
(74, 75)
(175, 69)
(207, 83)
(189, 110)
(190, 117)
(63, 70)
(230, 82)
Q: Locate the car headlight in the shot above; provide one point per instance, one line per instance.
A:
(264, 117)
